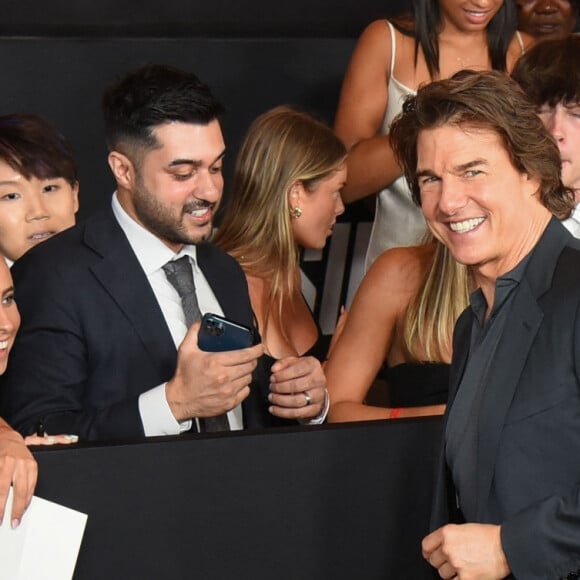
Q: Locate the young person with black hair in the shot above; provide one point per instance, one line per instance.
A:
(38, 183)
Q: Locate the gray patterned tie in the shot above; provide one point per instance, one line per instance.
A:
(180, 276)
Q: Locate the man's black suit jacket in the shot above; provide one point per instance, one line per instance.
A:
(528, 420)
(93, 337)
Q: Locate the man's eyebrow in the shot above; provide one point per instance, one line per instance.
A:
(195, 162)
(425, 173)
(457, 169)
(178, 162)
(469, 165)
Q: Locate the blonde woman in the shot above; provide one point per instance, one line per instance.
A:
(286, 196)
(402, 320)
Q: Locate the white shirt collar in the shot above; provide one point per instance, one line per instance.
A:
(151, 252)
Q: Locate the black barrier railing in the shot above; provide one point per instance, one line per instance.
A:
(344, 501)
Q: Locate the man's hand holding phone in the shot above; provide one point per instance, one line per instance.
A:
(206, 384)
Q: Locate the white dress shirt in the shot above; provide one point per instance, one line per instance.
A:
(152, 255)
(572, 224)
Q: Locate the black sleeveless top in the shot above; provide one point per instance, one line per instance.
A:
(417, 384)
(317, 350)
(261, 381)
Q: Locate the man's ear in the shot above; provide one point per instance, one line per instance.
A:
(75, 193)
(122, 168)
(534, 185)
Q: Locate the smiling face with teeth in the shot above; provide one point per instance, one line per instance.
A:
(9, 315)
(32, 210)
(173, 190)
(469, 15)
(485, 211)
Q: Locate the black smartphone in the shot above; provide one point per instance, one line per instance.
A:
(217, 334)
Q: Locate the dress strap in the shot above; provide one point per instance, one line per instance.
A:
(393, 46)
(520, 42)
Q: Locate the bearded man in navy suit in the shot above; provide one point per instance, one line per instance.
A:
(104, 349)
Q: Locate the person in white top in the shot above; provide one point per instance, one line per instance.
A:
(549, 74)
(391, 60)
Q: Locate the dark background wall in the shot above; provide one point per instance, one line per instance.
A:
(182, 18)
(57, 57)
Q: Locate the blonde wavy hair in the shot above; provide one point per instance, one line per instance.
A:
(282, 147)
(431, 316)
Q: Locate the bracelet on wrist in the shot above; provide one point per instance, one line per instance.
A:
(395, 413)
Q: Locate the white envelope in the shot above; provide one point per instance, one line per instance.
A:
(44, 546)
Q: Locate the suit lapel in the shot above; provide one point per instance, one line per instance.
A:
(120, 273)
(523, 322)
(461, 340)
(521, 327)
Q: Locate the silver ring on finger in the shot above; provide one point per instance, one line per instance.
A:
(307, 397)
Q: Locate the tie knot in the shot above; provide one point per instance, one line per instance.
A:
(178, 267)
(179, 273)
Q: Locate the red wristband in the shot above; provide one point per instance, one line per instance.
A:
(395, 413)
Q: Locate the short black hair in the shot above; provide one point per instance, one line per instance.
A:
(153, 95)
(34, 147)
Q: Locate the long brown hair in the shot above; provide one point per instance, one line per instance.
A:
(282, 147)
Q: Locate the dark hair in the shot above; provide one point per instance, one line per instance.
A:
(427, 22)
(35, 148)
(151, 96)
(550, 71)
(490, 101)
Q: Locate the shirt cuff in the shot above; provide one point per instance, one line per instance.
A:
(156, 414)
(319, 419)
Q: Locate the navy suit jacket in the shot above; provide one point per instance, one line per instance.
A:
(528, 460)
(93, 337)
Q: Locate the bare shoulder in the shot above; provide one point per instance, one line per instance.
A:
(404, 262)
(400, 269)
(378, 31)
(375, 42)
(377, 36)
(520, 43)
